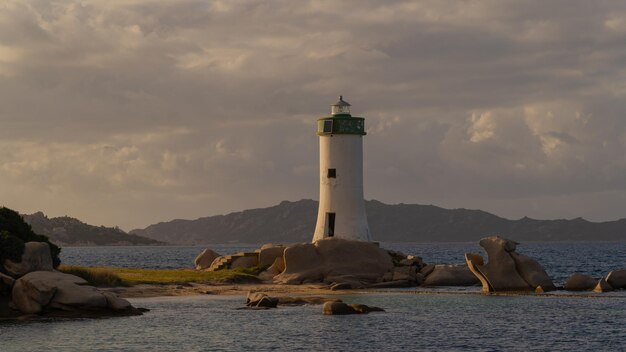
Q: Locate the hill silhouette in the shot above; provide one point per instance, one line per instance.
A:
(295, 222)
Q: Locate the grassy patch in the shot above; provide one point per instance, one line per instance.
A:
(131, 276)
(101, 277)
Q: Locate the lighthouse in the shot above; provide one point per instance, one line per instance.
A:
(341, 212)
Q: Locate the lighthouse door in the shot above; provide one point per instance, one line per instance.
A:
(330, 224)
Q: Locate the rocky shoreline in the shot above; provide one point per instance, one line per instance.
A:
(327, 268)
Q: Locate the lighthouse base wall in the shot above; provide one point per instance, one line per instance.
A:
(341, 212)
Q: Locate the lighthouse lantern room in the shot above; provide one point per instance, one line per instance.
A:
(341, 212)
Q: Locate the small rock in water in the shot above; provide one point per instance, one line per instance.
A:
(580, 282)
(261, 300)
(603, 286)
(340, 308)
(617, 279)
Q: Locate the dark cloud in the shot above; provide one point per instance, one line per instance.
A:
(132, 112)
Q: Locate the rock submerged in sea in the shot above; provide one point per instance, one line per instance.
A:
(260, 300)
(340, 308)
(507, 270)
(617, 279)
(580, 282)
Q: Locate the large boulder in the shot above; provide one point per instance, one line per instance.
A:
(248, 260)
(617, 279)
(45, 291)
(276, 268)
(580, 282)
(450, 275)
(532, 272)
(269, 253)
(205, 258)
(335, 260)
(36, 257)
(507, 270)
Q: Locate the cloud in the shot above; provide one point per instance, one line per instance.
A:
(132, 112)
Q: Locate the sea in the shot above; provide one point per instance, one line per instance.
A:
(443, 319)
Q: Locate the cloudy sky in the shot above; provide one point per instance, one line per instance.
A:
(130, 112)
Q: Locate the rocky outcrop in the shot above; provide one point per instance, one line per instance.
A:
(580, 282)
(47, 292)
(205, 258)
(340, 308)
(36, 257)
(603, 286)
(507, 270)
(617, 279)
(334, 260)
(450, 275)
(268, 254)
(260, 300)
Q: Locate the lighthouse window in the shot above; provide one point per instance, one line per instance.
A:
(328, 126)
(332, 173)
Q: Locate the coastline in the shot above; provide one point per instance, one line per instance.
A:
(198, 289)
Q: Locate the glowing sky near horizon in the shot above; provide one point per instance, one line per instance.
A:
(132, 112)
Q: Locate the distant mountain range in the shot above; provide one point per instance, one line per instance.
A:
(66, 231)
(295, 222)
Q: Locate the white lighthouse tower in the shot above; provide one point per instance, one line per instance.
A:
(341, 211)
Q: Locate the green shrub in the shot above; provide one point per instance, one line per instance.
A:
(11, 247)
(15, 231)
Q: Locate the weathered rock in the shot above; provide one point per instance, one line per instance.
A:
(340, 308)
(116, 303)
(299, 301)
(427, 269)
(388, 276)
(404, 273)
(45, 291)
(341, 286)
(580, 282)
(205, 258)
(500, 272)
(617, 279)
(507, 270)
(451, 275)
(392, 284)
(245, 262)
(31, 294)
(532, 272)
(411, 260)
(36, 257)
(334, 258)
(278, 266)
(275, 269)
(269, 253)
(603, 286)
(260, 300)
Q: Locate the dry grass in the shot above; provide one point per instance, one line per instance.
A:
(110, 277)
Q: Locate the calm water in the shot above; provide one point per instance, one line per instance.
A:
(560, 259)
(412, 323)
(453, 321)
